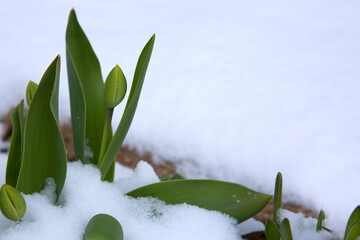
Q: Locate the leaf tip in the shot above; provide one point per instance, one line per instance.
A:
(72, 12)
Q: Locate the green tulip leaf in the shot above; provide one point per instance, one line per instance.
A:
(103, 227)
(88, 108)
(285, 230)
(44, 154)
(130, 108)
(16, 145)
(12, 203)
(352, 230)
(272, 232)
(229, 198)
(30, 92)
(320, 221)
(277, 198)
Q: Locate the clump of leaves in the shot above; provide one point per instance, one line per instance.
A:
(37, 151)
(274, 229)
(277, 232)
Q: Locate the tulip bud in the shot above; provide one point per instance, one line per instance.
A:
(30, 91)
(103, 227)
(115, 87)
(12, 203)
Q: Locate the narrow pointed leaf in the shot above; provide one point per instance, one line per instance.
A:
(277, 198)
(285, 230)
(229, 198)
(130, 108)
(320, 221)
(353, 224)
(88, 108)
(44, 153)
(16, 145)
(272, 232)
(30, 92)
(103, 227)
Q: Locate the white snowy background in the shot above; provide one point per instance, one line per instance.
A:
(236, 90)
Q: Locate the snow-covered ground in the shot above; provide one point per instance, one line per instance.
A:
(236, 90)
(142, 218)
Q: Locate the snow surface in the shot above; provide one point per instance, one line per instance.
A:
(85, 195)
(304, 229)
(236, 90)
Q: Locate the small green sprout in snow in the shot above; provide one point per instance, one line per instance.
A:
(12, 203)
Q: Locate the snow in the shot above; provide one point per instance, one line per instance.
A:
(85, 195)
(236, 90)
(303, 228)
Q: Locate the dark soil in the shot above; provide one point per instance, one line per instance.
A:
(126, 156)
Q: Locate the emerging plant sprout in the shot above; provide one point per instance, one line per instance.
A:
(103, 227)
(276, 229)
(277, 198)
(12, 203)
(37, 150)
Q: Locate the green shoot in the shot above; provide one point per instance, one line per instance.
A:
(277, 198)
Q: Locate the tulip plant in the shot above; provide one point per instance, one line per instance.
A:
(281, 230)
(37, 151)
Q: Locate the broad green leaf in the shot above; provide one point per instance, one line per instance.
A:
(172, 177)
(103, 227)
(130, 108)
(88, 108)
(16, 145)
(354, 231)
(353, 224)
(12, 203)
(271, 230)
(285, 230)
(229, 198)
(277, 198)
(44, 153)
(320, 221)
